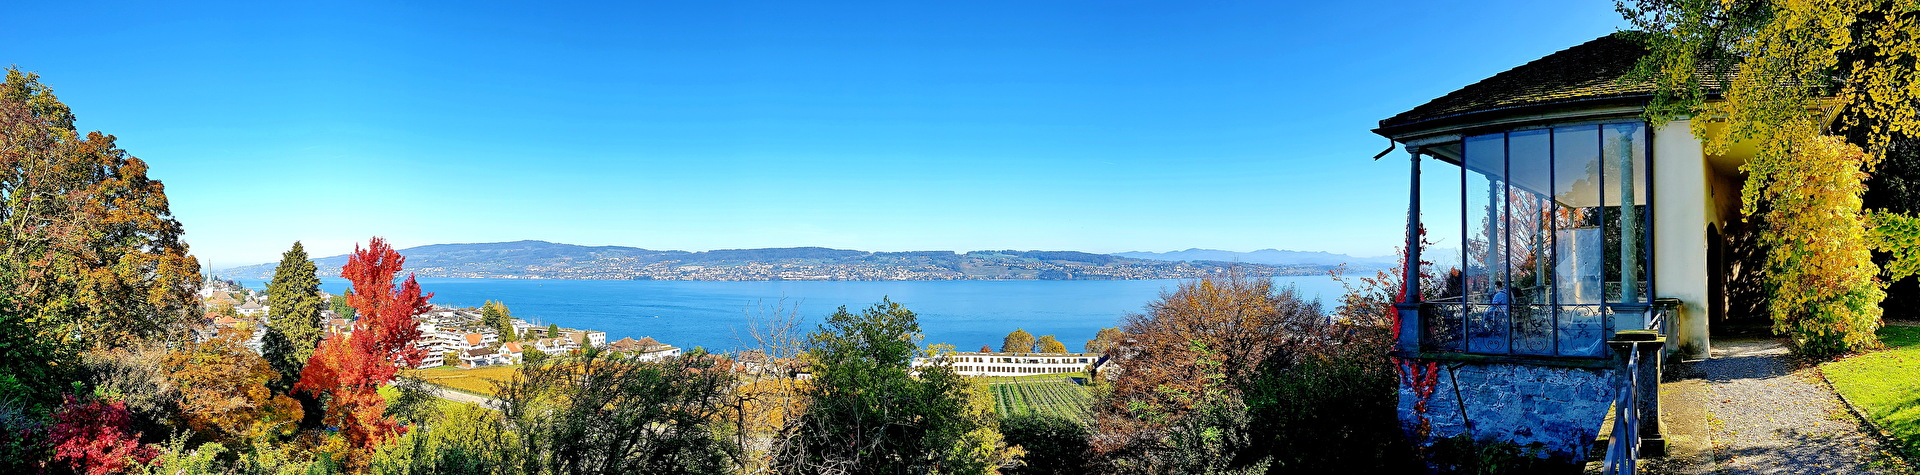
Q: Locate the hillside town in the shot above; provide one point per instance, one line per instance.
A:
(451, 336)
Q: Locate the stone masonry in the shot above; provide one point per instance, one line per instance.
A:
(1560, 408)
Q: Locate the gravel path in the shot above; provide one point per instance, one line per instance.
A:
(1768, 417)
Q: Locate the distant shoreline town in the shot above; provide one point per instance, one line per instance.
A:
(545, 260)
(451, 336)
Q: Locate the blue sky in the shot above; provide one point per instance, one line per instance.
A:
(889, 126)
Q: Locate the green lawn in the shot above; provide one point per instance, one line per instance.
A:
(1886, 384)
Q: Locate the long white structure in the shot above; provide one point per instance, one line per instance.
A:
(1015, 364)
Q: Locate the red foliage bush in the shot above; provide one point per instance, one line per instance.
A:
(91, 437)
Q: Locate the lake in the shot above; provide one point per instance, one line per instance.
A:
(714, 315)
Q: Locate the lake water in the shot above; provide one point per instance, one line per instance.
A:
(714, 315)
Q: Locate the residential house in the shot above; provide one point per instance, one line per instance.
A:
(477, 340)
(554, 346)
(644, 349)
(252, 309)
(584, 339)
(512, 352)
(339, 325)
(482, 356)
(437, 341)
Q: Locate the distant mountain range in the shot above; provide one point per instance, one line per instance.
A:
(1444, 256)
(1266, 256)
(546, 260)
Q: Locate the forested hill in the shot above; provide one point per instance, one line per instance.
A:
(546, 260)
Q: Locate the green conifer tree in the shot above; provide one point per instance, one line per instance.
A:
(293, 315)
(495, 315)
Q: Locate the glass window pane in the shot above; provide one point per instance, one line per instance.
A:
(1440, 214)
(1486, 273)
(1581, 331)
(1529, 234)
(1485, 216)
(1576, 196)
(1529, 225)
(1623, 152)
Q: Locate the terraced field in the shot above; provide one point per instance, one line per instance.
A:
(479, 380)
(1059, 396)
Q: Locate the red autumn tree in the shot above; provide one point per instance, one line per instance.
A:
(347, 370)
(92, 437)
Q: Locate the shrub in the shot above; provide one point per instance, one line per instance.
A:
(91, 436)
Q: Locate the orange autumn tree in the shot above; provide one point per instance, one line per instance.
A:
(223, 389)
(347, 370)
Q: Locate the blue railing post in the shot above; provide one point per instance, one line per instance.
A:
(1623, 449)
(1409, 305)
(1636, 407)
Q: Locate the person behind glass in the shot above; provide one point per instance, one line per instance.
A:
(1500, 298)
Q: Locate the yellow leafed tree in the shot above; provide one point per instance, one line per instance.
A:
(1790, 77)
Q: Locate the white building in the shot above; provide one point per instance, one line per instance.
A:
(1015, 364)
(644, 349)
(554, 346)
(252, 309)
(596, 339)
(438, 341)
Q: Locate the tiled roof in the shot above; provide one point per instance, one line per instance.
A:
(1594, 70)
(625, 344)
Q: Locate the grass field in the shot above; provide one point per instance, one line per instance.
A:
(1052, 394)
(1886, 384)
(477, 380)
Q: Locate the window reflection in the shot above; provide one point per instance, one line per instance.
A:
(1486, 272)
(1529, 234)
(1555, 228)
(1624, 153)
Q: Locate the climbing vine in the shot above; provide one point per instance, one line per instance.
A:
(1373, 301)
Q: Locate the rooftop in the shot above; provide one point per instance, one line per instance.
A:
(1594, 71)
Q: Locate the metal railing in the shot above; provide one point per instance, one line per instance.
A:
(1623, 450)
(1515, 329)
(1633, 400)
(1661, 313)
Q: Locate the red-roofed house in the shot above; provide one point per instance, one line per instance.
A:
(513, 352)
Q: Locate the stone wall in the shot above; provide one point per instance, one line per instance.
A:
(1560, 408)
